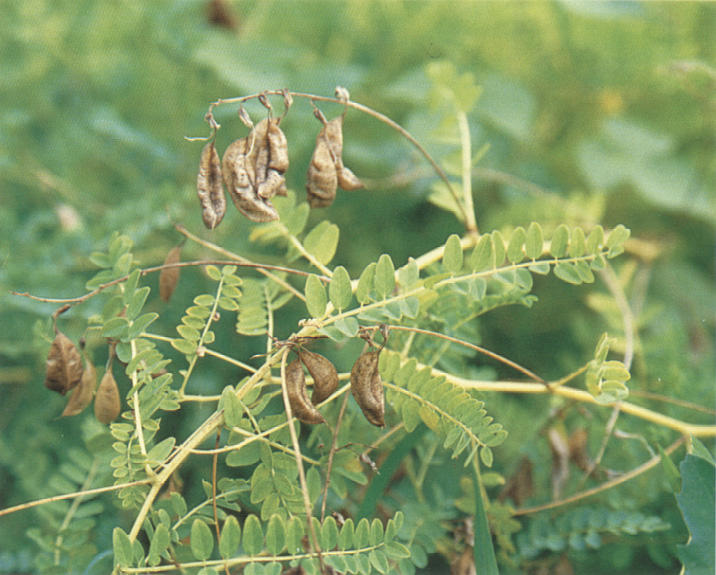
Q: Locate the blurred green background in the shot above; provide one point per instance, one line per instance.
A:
(593, 112)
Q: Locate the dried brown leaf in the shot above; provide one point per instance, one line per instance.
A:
(210, 187)
(367, 387)
(169, 277)
(63, 365)
(323, 372)
(82, 395)
(302, 408)
(107, 403)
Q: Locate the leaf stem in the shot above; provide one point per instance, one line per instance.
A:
(466, 145)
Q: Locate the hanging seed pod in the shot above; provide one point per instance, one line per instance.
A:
(297, 398)
(63, 365)
(106, 403)
(326, 170)
(323, 372)
(210, 187)
(240, 177)
(82, 395)
(270, 158)
(169, 277)
(367, 387)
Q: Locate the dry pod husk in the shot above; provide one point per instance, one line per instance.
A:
(367, 387)
(106, 403)
(323, 372)
(169, 277)
(82, 395)
(302, 408)
(210, 187)
(63, 365)
(326, 171)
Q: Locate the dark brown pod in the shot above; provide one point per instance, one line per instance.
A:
(169, 277)
(302, 408)
(367, 387)
(323, 372)
(322, 179)
(63, 365)
(210, 187)
(107, 403)
(82, 395)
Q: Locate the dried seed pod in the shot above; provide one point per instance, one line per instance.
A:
(367, 387)
(106, 403)
(322, 179)
(169, 277)
(269, 157)
(302, 408)
(240, 177)
(326, 170)
(210, 187)
(63, 365)
(323, 372)
(82, 395)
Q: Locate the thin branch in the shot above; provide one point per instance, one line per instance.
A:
(644, 467)
(331, 454)
(466, 145)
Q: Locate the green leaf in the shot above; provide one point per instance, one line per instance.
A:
(345, 539)
(577, 243)
(184, 346)
(376, 532)
(365, 284)
(696, 502)
(616, 239)
(204, 300)
(202, 540)
(560, 239)
(158, 545)
(161, 450)
(339, 290)
(130, 285)
(452, 254)
(486, 456)
(379, 561)
(136, 302)
(329, 534)
(396, 550)
(316, 300)
(498, 247)
(141, 323)
(116, 327)
(567, 273)
(122, 546)
(213, 272)
(409, 274)
(253, 535)
(294, 534)
(322, 241)
(484, 551)
(275, 535)
(230, 537)
(362, 534)
(233, 410)
(534, 241)
(384, 276)
(595, 240)
(482, 258)
(517, 242)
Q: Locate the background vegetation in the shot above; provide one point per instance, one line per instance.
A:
(587, 113)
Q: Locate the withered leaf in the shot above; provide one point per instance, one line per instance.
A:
(107, 403)
(63, 365)
(169, 277)
(302, 408)
(210, 187)
(367, 387)
(82, 395)
(323, 372)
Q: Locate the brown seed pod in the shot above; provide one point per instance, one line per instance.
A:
(323, 372)
(106, 403)
(63, 365)
(210, 187)
(367, 387)
(82, 395)
(302, 408)
(240, 177)
(269, 158)
(169, 277)
(326, 170)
